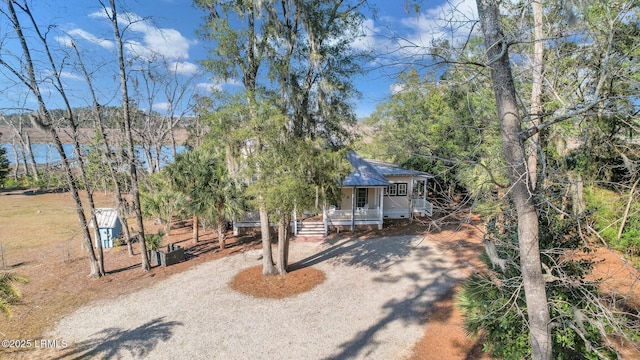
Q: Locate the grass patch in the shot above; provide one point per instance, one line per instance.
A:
(29, 221)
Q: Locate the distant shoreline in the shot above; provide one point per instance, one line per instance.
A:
(40, 137)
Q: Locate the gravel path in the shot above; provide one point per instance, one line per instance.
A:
(370, 306)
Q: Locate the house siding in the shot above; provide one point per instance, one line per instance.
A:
(372, 198)
(398, 206)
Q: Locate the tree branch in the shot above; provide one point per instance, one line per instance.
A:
(525, 134)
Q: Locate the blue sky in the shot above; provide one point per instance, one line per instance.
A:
(166, 28)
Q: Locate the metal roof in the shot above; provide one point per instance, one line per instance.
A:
(387, 169)
(364, 174)
(107, 218)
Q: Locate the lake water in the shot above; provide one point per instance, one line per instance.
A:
(47, 153)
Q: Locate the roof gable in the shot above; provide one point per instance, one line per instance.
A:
(363, 174)
(370, 173)
(387, 169)
(107, 218)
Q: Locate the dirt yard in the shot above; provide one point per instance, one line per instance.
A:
(39, 237)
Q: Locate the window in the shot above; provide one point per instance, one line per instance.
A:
(402, 189)
(391, 190)
(362, 197)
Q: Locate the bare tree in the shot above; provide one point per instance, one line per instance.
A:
(108, 153)
(44, 120)
(16, 124)
(158, 80)
(111, 13)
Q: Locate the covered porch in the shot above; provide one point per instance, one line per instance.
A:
(362, 201)
(359, 206)
(419, 192)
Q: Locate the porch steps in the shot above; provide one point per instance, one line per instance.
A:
(306, 228)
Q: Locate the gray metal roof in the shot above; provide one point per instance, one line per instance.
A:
(107, 218)
(364, 174)
(387, 169)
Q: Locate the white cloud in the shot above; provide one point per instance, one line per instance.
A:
(233, 82)
(81, 34)
(414, 35)
(161, 106)
(150, 41)
(451, 21)
(209, 86)
(396, 88)
(64, 75)
(367, 38)
(71, 76)
(183, 67)
(216, 86)
(66, 41)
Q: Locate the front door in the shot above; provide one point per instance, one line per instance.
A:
(362, 198)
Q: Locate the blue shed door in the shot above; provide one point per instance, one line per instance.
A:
(107, 239)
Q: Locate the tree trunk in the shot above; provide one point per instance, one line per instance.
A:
(157, 155)
(44, 123)
(287, 236)
(222, 234)
(282, 246)
(23, 157)
(131, 153)
(125, 228)
(267, 257)
(16, 159)
(536, 92)
(32, 159)
(96, 269)
(92, 209)
(196, 229)
(174, 152)
(149, 156)
(521, 195)
(627, 208)
(107, 156)
(577, 192)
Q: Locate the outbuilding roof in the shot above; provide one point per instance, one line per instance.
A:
(107, 218)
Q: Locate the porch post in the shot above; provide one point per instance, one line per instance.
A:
(410, 194)
(380, 220)
(295, 221)
(353, 208)
(325, 223)
(424, 191)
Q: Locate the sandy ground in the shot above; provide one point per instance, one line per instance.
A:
(372, 306)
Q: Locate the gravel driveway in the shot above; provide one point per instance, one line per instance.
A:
(371, 306)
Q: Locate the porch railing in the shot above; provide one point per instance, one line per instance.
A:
(360, 215)
(250, 217)
(422, 205)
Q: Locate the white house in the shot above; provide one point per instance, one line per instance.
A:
(375, 191)
(372, 192)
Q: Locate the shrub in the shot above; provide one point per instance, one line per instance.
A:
(153, 240)
(605, 209)
(493, 301)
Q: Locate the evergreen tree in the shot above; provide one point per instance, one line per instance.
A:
(4, 165)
